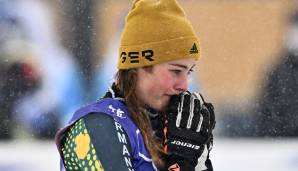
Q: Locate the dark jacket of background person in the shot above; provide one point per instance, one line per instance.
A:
(278, 114)
(18, 79)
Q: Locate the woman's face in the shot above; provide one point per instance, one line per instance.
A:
(158, 83)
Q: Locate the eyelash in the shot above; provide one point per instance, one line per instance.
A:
(176, 71)
(190, 71)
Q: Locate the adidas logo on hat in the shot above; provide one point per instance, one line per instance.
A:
(194, 49)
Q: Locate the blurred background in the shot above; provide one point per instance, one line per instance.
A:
(58, 55)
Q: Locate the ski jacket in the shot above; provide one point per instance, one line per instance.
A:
(138, 158)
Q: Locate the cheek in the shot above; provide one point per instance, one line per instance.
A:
(164, 81)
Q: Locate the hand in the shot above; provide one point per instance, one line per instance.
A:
(189, 123)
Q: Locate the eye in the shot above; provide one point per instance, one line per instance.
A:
(176, 71)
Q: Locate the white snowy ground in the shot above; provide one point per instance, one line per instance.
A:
(227, 155)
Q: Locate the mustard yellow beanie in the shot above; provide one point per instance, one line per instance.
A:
(156, 31)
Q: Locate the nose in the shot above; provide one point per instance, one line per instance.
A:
(181, 85)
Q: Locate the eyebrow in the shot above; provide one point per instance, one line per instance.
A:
(183, 66)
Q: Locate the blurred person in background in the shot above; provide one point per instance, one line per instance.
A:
(147, 120)
(60, 88)
(278, 108)
(62, 79)
(20, 78)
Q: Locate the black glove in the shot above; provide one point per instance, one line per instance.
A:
(189, 125)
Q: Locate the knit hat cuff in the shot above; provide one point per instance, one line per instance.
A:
(134, 56)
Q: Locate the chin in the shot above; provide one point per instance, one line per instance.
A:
(160, 107)
(157, 107)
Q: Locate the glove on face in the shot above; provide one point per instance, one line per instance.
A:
(189, 123)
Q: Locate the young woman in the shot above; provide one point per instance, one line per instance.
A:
(147, 120)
